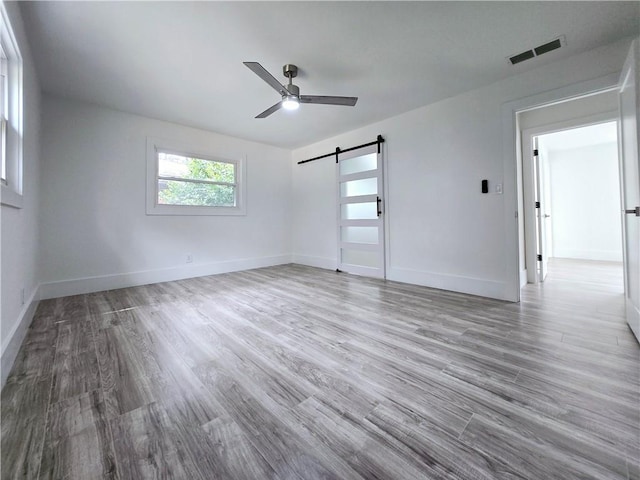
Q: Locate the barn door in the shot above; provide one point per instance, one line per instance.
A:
(361, 248)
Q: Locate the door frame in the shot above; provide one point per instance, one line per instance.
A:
(631, 67)
(511, 158)
(529, 173)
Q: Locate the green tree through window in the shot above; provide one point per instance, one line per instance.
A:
(195, 181)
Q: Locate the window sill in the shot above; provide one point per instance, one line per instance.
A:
(194, 210)
(10, 198)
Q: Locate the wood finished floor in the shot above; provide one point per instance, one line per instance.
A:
(293, 372)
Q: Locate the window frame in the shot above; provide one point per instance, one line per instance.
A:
(4, 98)
(155, 146)
(11, 187)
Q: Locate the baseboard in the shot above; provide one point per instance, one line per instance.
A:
(12, 342)
(454, 283)
(632, 320)
(523, 277)
(123, 280)
(598, 255)
(311, 261)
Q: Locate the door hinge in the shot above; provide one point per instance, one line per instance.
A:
(539, 258)
(537, 204)
(535, 152)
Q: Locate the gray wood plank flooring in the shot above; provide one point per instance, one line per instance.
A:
(293, 372)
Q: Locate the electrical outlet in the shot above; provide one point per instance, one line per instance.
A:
(189, 258)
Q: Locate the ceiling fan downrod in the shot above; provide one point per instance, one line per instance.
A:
(291, 101)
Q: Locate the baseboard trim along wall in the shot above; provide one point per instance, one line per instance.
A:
(12, 342)
(311, 261)
(453, 283)
(597, 255)
(123, 280)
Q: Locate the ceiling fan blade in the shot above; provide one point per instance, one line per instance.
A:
(320, 99)
(270, 110)
(259, 70)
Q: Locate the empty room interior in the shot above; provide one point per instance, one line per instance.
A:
(320, 240)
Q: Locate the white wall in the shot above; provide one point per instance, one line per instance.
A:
(95, 234)
(443, 232)
(585, 203)
(19, 227)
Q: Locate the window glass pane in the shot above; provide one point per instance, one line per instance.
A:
(366, 186)
(360, 257)
(178, 166)
(359, 211)
(174, 192)
(359, 164)
(360, 234)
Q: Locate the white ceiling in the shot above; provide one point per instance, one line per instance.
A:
(182, 61)
(598, 134)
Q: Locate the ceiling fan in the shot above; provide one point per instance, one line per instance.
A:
(291, 98)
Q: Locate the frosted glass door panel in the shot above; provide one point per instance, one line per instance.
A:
(360, 235)
(361, 258)
(359, 164)
(354, 188)
(359, 211)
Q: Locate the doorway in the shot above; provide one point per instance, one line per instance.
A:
(624, 88)
(573, 200)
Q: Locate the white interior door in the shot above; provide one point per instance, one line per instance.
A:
(361, 212)
(541, 213)
(628, 135)
(547, 208)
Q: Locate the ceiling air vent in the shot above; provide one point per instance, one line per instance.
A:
(521, 57)
(547, 47)
(537, 51)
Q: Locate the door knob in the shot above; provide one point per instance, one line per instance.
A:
(635, 211)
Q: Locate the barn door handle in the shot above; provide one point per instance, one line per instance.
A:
(379, 204)
(635, 211)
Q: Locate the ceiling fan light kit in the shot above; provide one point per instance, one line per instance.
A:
(291, 98)
(290, 102)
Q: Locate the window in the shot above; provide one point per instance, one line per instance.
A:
(10, 115)
(182, 183)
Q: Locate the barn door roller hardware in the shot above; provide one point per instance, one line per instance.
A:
(338, 151)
